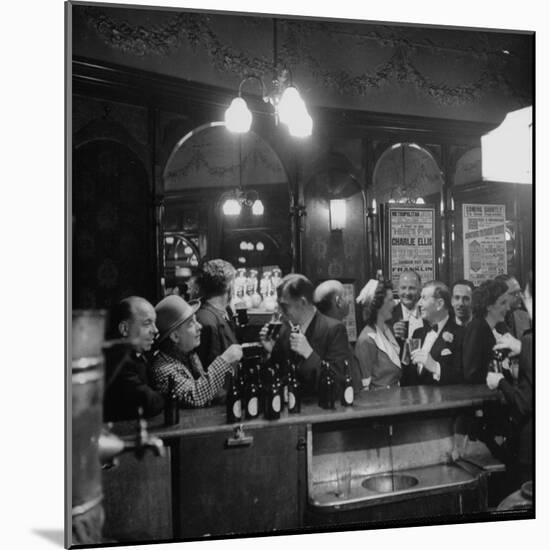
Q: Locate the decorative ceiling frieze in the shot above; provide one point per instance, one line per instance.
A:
(492, 61)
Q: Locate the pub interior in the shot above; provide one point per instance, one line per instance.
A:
(225, 168)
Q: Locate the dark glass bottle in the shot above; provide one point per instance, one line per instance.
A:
(260, 382)
(294, 397)
(252, 396)
(234, 402)
(326, 387)
(171, 405)
(347, 389)
(284, 374)
(273, 398)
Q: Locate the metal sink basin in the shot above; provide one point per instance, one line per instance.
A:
(389, 483)
(385, 487)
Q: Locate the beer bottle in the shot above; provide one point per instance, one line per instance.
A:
(171, 406)
(261, 386)
(331, 388)
(273, 398)
(252, 397)
(294, 398)
(325, 386)
(234, 401)
(347, 390)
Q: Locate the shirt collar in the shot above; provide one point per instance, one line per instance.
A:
(442, 323)
(305, 324)
(414, 312)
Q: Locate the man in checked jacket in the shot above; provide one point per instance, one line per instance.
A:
(179, 336)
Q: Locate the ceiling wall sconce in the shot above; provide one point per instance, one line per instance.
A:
(337, 214)
(232, 205)
(288, 105)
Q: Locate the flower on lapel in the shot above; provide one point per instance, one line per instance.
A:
(448, 337)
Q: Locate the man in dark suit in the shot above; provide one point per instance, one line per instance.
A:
(439, 360)
(127, 384)
(307, 335)
(406, 316)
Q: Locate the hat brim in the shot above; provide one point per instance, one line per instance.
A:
(179, 322)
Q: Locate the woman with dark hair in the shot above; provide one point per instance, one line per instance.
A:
(376, 349)
(490, 305)
(216, 287)
(519, 397)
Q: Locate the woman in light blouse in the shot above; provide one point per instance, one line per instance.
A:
(376, 349)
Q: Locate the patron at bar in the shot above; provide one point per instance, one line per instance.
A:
(517, 319)
(330, 299)
(406, 316)
(462, 301)
(308, 334)
(376, 349)
(179, 336)
(218, 332)
(490, 305)
(439, 360)
(127, 385)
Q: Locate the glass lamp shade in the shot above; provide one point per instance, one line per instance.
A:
(238, 118)
(258, 208)
(301, 127)
(231, 207)
(337, 214)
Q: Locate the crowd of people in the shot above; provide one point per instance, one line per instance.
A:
(431, 335)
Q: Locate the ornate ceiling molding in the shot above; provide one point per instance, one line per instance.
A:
(295, 51)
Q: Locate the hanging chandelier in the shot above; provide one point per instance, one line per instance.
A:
(288, 106)
(238, 199)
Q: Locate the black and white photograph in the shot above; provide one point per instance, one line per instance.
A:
(299, 275)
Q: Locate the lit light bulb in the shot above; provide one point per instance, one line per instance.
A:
(242, 245)
(291, 106)
(260, 246)
(238, 118)
(302, 126)
(258, 208)
(231, 207)
(420, 200)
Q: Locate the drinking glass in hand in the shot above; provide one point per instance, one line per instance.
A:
(274, 326)
(401, 329)
(242, 316)
(414, 344)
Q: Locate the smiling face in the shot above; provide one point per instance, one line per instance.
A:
(141, 327)
(430, 306)
(462, 302)
(187, 336)
(408, 290)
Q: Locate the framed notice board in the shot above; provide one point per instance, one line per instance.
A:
(410, 239)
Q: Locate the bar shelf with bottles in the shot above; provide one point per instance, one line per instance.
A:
(254, 299)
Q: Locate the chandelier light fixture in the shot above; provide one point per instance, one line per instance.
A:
(238, 199)
(288, 106)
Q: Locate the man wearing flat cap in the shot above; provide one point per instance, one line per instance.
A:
(179, 336)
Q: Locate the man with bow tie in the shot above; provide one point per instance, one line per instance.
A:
(439, 359)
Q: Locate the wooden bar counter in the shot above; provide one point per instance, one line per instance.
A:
(220, 479)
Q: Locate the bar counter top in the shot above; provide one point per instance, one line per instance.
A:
(368, 404)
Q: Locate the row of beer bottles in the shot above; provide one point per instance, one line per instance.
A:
(254, 391)
(267, 394)
(328, 387)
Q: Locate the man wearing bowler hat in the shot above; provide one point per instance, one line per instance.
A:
(179, 336)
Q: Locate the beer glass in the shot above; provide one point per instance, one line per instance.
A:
(274, 326)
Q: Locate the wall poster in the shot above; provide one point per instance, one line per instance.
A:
(484, 238)
(411, 242)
